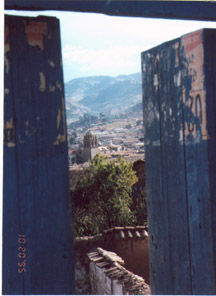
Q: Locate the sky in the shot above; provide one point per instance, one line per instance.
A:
(96, 44)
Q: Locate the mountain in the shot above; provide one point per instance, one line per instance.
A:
(102, 94)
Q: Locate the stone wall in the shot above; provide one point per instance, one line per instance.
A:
(109, 277)
(131, 243)
(82, 246)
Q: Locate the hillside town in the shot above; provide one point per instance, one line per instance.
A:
(119, 137)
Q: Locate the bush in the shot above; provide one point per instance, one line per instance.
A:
(103, 198)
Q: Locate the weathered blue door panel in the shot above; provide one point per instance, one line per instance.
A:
(155, 172)
(37, 230)
(162, 173)
(210, 66)
(196, 139)
(179, 114)
(173, 178)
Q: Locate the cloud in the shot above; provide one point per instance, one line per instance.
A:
(108, 60)
(96, 44)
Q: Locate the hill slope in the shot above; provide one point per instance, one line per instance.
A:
(105, 94)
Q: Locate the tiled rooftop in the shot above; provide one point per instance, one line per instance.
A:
(113, 268)
(128, 232)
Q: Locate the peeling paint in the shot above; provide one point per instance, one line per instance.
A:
(58, 118)
(156, 143)
(176, 47)
(7, 64)
(30, 131)
(60, 138)
(156, 81)
(42, 82)
(58, 85)
(9, 133)
(61, 118)
(181, 135)
(11, 144)
(6, 91)
(35, 32)
(52, 88)
(6, 49)
(6, 42)
(64, 116)
(9, 124)
(177, 79)
(157, 114)
(51, 63)
(150, 118)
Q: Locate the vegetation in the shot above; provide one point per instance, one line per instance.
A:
(87, 120)
(139, 207)
(128, 126)
(103, 198)
(138, 122)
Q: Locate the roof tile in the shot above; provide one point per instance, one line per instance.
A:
(112, 266)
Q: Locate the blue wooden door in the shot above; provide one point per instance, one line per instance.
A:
(37, 229)
(179, 84)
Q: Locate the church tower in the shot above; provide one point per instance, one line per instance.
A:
(90, 146)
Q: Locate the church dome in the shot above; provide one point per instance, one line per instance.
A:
(90, 140)
(90, 133)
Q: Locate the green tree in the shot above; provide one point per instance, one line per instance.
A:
(139, 207)
(138, 122)
(103, 198)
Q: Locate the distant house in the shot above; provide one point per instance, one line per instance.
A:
(116, 148)
(75, 156)
(71, 156)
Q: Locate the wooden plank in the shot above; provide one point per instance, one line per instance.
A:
(192, 10)
(197, 164)
(210, 66)
(172, 216)
(11, 229)
(37, 230)
(183, 81)
(157, 206)
(169, 73)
